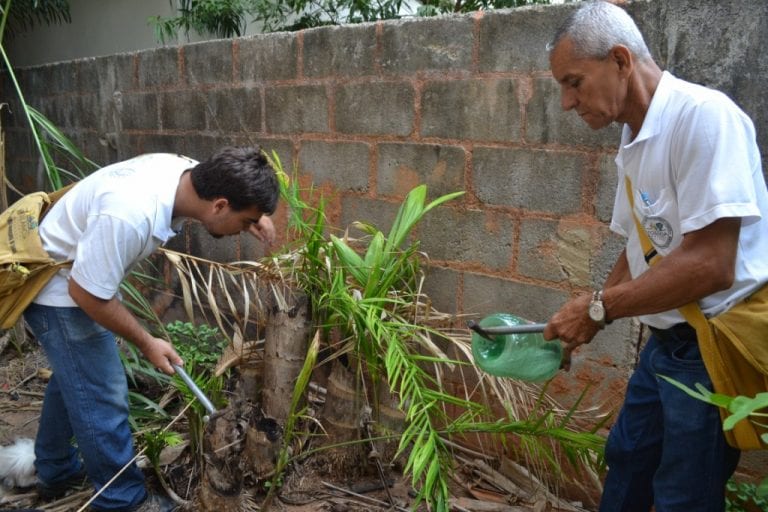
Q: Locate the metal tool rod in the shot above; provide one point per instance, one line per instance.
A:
(505, 329)
(195, 390)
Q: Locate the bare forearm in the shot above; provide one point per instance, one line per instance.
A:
(114, 316)
(701, 266)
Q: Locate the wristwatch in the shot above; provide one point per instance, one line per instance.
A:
(596, 309)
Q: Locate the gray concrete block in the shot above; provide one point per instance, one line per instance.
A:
(339, 51)
(615, 345)
(607, 187)
(378, 108)
(12, 115)
(209, 62)
(283, 148)
(233, 110)
(93, 147)
(251, 248)
(267, 57)
(401, 167)
(201, 147)
(486, 109)
(516, 40)
(113, 73)
(557, 251)
(63, 76)
(178, 243)
(296, 108)
(424, 44)
(469, 237)
(606, 254)
(485, 295)
(344, 165)
(48, 80)
(159, 67)
(87, 75)
(202, 244)
(21, 142)
(159, 143)
(138, 111)
(59, 111)
(441, 285)
(380, 214)
(548, 123)
(545, 181)
(182, 110)
(87, 114)
(128, 146)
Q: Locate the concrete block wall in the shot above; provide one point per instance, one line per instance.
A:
(369, 111)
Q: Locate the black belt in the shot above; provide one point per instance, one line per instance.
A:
(678, 332)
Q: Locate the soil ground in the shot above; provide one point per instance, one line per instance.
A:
(23, 371)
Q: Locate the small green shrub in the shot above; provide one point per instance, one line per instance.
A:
(744, 496)
(200, 346)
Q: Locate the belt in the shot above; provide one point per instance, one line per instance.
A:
(678, 332)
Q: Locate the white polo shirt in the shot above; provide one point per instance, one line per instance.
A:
(108, 222)
(694, 161)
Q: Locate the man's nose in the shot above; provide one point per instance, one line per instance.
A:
(567, 99)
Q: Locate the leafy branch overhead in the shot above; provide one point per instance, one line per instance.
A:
(230, 18)
(22, 15)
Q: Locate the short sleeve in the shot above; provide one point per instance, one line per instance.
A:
(712, 166)
(107, 250)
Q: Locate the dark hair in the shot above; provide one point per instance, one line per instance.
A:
(242, 176)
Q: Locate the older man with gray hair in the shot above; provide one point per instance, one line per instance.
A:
(689, 177)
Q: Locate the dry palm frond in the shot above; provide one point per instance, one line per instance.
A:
(228, 295)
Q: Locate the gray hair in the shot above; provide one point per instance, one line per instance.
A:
(596, 27)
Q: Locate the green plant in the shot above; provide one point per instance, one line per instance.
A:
(212, 387)
(221, 18)
(27, 13)
(739, 408)
(435, 7)
(368, 291)
(743, 496)
(154, 441)
(200, 346)
(229, 18)
(49, 140)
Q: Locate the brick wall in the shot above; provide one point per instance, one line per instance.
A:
(369, 111)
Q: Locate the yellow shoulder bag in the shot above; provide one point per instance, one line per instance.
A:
(734, 346)
(25, 267)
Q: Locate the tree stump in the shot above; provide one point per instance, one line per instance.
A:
(285, 349)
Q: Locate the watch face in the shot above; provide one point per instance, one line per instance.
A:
(596, 312)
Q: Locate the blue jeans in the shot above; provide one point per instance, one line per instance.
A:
(666, 448)
(86, 398)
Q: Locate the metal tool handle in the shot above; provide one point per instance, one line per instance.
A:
(195, 390)
(505, 329)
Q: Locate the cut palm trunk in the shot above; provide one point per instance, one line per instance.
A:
(363, 432)
(341, 420)
(222, 488)
(285, 348)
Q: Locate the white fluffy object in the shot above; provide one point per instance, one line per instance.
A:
(17, 463)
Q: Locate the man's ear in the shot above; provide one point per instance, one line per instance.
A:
(219, 204)
(623, 58)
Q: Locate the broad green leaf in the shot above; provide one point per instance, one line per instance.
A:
(350, 260)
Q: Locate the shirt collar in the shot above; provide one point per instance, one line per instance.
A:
(165, 225)
(652, 124)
